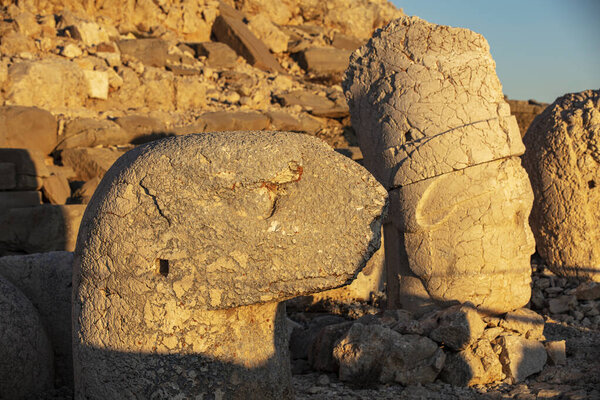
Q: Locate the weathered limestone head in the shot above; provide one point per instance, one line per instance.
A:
(563, 162)
(435, 130)
(187, 247)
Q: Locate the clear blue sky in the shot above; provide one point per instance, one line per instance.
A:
(543, 48)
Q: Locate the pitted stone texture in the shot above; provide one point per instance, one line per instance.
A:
(183, 230)
(465, 236)
(562, 160)
(434, 128)
(417, 87)
(26, 361)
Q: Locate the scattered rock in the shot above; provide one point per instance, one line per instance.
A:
(27, 127)
(526, 322)
(521, 357)
(56, 189)
(87, 132)
(90, 163)
(562, 304)
(557, 352)
(218, 55)
(220, 121)
(97, 84)
(320, 352)
(325, 63)
(476, 365)
(588, 291)
(265, 30)
(151, 52)
(459, 326)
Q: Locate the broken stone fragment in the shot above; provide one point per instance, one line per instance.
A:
(89, 163)
(190, 243)
(368, 354)
(29, 166)
(97, 84)
(557, 351)
(27, 127)
(26, 360)
(476, 365)
(325, 63)
(218, 55)
(526, 322)
(458, 327)
(433, 126)
(562, 161)
(521, 357)
(87, 132)
(151, 52)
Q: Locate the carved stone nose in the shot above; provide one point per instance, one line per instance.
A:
(187, 248)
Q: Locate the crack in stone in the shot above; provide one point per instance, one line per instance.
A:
(155, 200)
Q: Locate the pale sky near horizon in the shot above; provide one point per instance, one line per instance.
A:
(542, 48)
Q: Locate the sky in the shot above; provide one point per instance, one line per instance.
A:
(542, 48)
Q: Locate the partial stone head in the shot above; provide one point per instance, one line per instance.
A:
(435, 130)
(563, 162)
(188, 245)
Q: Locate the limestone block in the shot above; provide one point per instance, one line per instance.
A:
(374, 353)
(49, 84)
(29, 165)
(521, 357)
(41, 228)
(90, 162)
(56, 189)
(320, 350)
(325, 62)
(526, 322)
(190, 94)
(562, 161)
(90, 33)
(219, 121)
(458, 327)
(88, 132)
(433, 127)
(26, 361)
(234, 33)
(151, 52)
(557, 351)
(265, 30)
(97, 84)
(27, 127)
(188, 245)
(475, 365)
(45, 279)
(218, 55)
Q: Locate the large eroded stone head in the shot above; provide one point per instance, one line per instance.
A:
(189, 243)
(563, 162)
(434, 129)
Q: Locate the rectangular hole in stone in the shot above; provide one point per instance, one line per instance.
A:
(162, 267)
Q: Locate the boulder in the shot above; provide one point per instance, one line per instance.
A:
(50, 84)
(218, 55)
(234, 33)
(27, 127)
(88, 32)
(45, 279)
(265, 30)
(88, 132)
(190, 242)
(325, 63)
(56, 189)
(40, 229)
(476, 365)
(562, 162)
(317, 105)
(89, 163)
(526, 322)
(320, 350)
(433, 126)
(557, 352)
(26, 361)
(151, 52)
(458, 327)
(369, 354)
(588, 291)
(141, 129)
(219, 121)
(521, 357)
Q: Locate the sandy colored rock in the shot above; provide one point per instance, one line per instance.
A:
(521, 357)
(323, 63)
(45, 279)
(526, 322)
(56, 189)
(151, 52)
(97, 82)
(88, 132)
(265, 30)
(50, 84)
(562, 161)
(475, 365)
(557, 352)
(368, 354)
(218, 55)
(27, 127)
(458, 327)
(433, 126)
(90, 162)
(188, 297)
(26, 360)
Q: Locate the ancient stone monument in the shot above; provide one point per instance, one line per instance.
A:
(26, 359)
(435, 130)
(188, 246)
(562, 160)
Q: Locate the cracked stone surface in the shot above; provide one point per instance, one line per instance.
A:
(562, 160)
(435, 130)
(26, 359)
(187, 247)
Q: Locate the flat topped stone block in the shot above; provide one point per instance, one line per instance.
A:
(186, 248)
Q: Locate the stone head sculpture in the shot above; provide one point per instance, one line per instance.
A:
(563, 162)
(187, 248)
(435, 130)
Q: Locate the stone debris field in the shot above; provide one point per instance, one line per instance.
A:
(250, 199)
